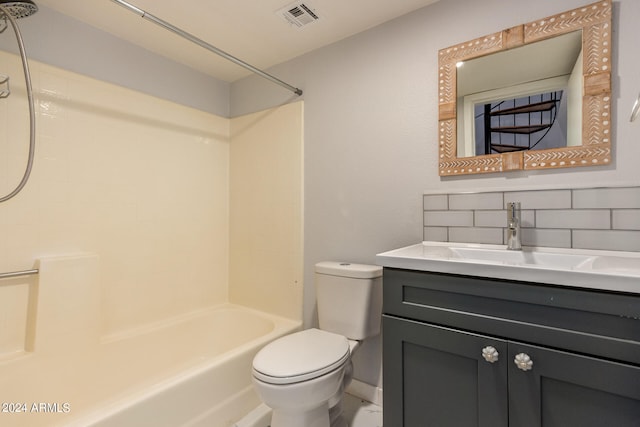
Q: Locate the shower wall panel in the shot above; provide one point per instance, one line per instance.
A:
(140, 181)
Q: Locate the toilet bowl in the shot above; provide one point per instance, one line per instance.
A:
(298, 375)
(302, 376)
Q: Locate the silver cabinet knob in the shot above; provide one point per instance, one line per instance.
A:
(490, 354)
(523, 362)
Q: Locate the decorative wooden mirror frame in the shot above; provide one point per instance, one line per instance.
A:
(594, 21)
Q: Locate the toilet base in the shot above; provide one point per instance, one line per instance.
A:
(340, 422)
(321, 417)
(318, 417)
(335, 416)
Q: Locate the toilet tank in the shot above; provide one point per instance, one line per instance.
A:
(349, 298)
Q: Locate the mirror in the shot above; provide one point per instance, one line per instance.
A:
(504, 107)
(535, 96)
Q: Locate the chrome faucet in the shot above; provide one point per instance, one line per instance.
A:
(513, 226)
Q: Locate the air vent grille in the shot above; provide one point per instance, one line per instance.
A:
(299, 14)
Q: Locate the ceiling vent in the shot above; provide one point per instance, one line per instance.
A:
(299, 14)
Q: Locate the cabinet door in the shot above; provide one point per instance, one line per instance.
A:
(565, 390)
(437, 377)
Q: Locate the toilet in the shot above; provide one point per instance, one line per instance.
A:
(302, 376)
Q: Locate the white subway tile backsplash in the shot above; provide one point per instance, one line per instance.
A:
(559, 238)
(626, 219)
(574, 218)
(607, 198)
(476, 235)
(448, 218)
(478, 201)
(540, 199)
(435, 202)
(493, 218)
(615, 240)
(499, 218)
(528, 218)
(596, 218)
(436, 234)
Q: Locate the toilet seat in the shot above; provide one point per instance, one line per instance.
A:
(301, 356)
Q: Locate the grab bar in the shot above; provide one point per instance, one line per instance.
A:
(18, 274)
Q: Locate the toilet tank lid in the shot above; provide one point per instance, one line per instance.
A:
(347, 269)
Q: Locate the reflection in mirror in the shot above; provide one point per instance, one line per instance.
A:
(514, 101)
(534, 96)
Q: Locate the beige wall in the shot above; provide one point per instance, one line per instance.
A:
(180, 213)
(139, 181)
(266, 210)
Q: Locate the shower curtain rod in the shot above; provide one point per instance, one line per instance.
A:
(206, 45)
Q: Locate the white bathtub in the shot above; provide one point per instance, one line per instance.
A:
(195, 371)
(190, 371)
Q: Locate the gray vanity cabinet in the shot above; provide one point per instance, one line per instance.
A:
(566, 389)
(436, 376)
(450, 343)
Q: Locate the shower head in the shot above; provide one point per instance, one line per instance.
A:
(19, 9)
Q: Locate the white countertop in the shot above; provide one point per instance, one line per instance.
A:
(602, 270)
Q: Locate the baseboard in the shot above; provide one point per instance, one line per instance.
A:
(365, 391)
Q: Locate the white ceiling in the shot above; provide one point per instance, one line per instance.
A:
(247, 29)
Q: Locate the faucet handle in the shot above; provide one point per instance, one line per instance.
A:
(513, 205)
(513, 210)
(513, 226)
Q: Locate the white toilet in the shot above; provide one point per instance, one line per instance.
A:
(302, 376)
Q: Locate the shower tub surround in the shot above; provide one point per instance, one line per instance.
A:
(140, 214)
(586, 218)
(192, 369)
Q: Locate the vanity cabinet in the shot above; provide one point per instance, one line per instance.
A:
(450, 342)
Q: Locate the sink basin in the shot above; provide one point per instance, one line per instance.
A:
(498, 254)
(615, 265)
(608, 270)
(523, 257)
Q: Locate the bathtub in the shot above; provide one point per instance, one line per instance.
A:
(194, 370)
